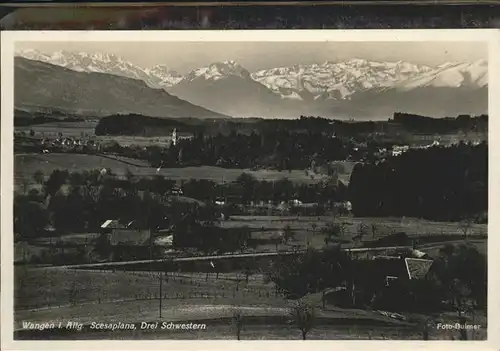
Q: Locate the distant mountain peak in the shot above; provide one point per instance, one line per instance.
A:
(163, 75)
(165, 69)
(219, 70)
(452, 75)
(99, 62)
(230, 63)
(358, 61)
(336, 80)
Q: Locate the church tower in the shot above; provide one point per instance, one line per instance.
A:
(174, 137)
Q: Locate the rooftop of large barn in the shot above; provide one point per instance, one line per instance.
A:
(418, 268)
(405, 268)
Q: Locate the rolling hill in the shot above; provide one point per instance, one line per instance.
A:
(40, 85)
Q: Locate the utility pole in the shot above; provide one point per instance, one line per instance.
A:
(161, 288)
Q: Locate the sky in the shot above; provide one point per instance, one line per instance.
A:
(186, 56)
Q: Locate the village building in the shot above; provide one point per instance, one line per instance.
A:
(382, 273)
(127, 240)
(399, 150)
(131, 244)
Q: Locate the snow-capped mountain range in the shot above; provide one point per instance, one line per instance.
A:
(306, 87)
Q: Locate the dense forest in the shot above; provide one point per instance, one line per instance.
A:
(421, 124)
(278, 148)
(441, 183)
(133, 124)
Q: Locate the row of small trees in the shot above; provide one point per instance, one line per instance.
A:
(302, 314)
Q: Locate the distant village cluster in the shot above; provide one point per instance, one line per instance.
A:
(70, 143)
(84, 144)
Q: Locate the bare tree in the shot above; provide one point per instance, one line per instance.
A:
(362, 229)
(238, 322)
(343, 228)
(248, 272)
(314, 226)
(374, 228)
(333, 231)
(287, 234)
(25, 184)
(73, 293)
(465, 226)
(304, 316)
(39, 177)
(427, 324)
(361, 232)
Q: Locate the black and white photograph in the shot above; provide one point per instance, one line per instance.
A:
(167, 187)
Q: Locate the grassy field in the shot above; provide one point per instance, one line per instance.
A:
(27, 164)
(50, 287)
(385, 225)
(48, 295)
(125, 140)
(108, 296)
(79, 129)
(68, 129)
(428, 234)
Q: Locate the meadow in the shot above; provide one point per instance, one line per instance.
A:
(384, 226)
(50, 287)
(61, 295)
(68, 129)
(429, 236)
(58, 294)
(25, 165)
(86, 129)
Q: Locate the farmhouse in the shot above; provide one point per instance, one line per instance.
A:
(399, 150)
(127, 240)
(109, 225)
(391, 268)
(131, 244)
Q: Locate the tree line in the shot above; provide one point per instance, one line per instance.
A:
(81, 201)
(133, 124)
(422, 124)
